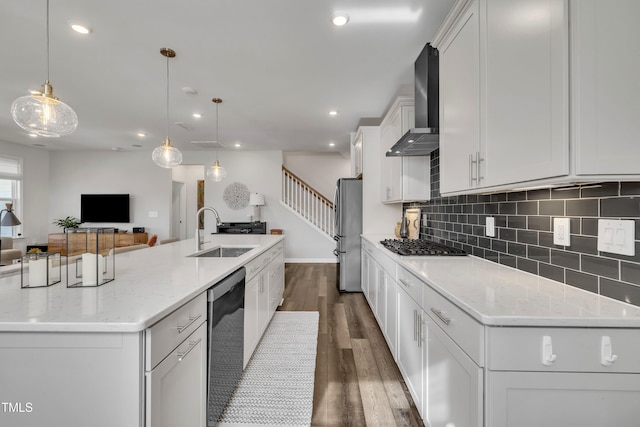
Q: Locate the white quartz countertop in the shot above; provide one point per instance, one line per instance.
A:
(149, 284)
(497, 295)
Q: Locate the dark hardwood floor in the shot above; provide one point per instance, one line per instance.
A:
(357, 382)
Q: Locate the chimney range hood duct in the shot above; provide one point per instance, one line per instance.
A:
(424, 138)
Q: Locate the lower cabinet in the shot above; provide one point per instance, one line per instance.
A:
(176, 388)
(466, 374)
(453, 382)
(410, 351)
(534, 399)
(264, 289)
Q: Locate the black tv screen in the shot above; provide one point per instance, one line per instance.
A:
(104, 208)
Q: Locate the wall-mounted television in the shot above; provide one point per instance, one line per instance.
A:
(104, 208)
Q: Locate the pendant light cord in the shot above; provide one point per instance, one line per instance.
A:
(217, 135)
(167, 97)
(47, 41)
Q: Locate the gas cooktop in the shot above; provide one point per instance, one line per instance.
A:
(418, 247)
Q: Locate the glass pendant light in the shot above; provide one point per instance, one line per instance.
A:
(166, 155)
(42, 113)
(217, 172)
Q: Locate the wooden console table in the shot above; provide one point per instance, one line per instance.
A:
(58, 241)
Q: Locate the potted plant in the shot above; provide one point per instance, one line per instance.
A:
(68, 222)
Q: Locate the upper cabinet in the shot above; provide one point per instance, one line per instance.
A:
(356, 155)
(505, 92)
(402, 179)
(605, 86)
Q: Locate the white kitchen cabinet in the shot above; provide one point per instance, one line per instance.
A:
(403, 179)
(364, 268)
(538, 92)
(459, 107)
(586, 377)
(605, 66)
(410, 352)
(177, 387)
(176, 367)
(391, 315)
(356, 154)
(264, 288)
(503, 94)
(251, 292)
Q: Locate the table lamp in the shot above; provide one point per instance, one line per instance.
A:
(8, 219)
(256, 200)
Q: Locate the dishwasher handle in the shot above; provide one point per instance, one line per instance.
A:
(226, 285)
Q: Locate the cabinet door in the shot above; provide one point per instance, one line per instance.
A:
(390, 326)
(357, 154)
(251, 290)
(364, 272)
(177, 387)
(525, 71)
(605, 86)
(410, 347)
(416, 178)
(453, 382)
(534, 399)
(381, 297)
(264, 314)
(460, 103)
(391, 167)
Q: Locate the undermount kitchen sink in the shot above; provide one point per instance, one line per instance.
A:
(223, 252)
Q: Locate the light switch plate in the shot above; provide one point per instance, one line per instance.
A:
(617, 236)
(153, 214)
(490, 226)
(561, 231)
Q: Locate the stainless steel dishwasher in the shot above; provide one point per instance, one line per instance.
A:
(226, 341)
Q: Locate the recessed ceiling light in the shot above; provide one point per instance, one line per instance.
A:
(333, 113)
(141, 134)
(197, 115)
(332, 144)
(79, 28)
(237, 145)
(339, 19)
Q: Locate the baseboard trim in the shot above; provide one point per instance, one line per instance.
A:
(311, 260)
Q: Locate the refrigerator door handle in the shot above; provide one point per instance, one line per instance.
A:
(336, 221)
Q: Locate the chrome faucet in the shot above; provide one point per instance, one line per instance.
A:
(218, 223)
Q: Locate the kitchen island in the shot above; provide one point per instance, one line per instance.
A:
(84, 356)
(482, 344)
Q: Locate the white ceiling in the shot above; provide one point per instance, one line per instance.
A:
(278, 65)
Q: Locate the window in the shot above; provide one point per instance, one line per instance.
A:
(11, 192)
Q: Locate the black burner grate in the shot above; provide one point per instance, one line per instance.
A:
(418, 247)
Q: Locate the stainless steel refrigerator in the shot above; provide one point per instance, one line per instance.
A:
(347, 209)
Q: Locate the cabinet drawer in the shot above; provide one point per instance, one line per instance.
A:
(257, 264)
(411, 284)
(385, 262)
(462, 328)
(168, 333)
(564, 349)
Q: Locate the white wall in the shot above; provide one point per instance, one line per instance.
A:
(189, 175)
(261, 172)
(319, 170)
(132, 172)
(35, 204)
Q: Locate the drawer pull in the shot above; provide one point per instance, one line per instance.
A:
(607, 358)
(192, 345)
(405, 283)
(547, 351)
(189, 323)
(441, 316)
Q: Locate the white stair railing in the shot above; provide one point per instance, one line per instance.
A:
(312, 206)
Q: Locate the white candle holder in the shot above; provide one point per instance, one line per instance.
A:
(40, 269)
(97, 263)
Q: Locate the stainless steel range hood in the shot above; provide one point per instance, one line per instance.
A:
(424, 138)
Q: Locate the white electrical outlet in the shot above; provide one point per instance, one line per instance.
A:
(561, 231)
(617, 237)
(490, 226)
(153, 214)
